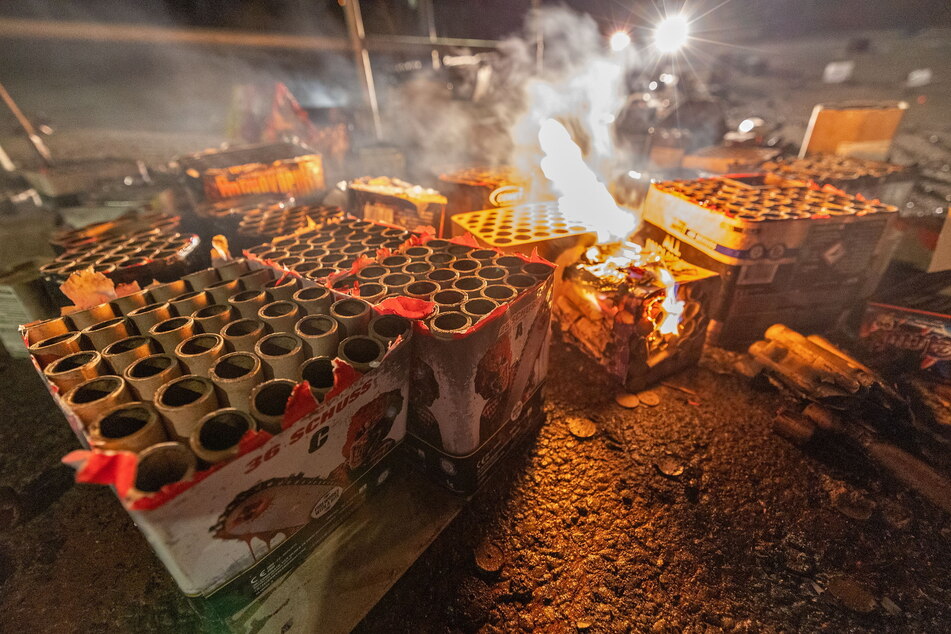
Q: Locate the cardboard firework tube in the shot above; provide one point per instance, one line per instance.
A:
(394, 262)
(511, 263)
(221, 291)
(421, 290)
(247, 303)
(187, 303)
(449, 299)
(69, 371)
(353, 315)
(147, 316)
(315, 300)
(165, 292)
(492, 274)
(171, 332)
(146, 375)
(417, 253)
(282, 354)
(213, 318)
(121, 354)
(372, 293)
(319, 374)
(243, 334)
(50, 349)
(396, 283)
(537, 270)
(363, 353)
(464, 265)
(235, 375)
(163, 464)
(372, 273)
(133, 426)
(469, 284)
(438, 244)
(256, 279)
(218, 435)
(448, 324)
(478, 308)
(199, 353)
(282, 290)
(105, 332)
(439, 259)
(85, 318)
(184, 401)
(521, 281)
(268, 402)
(443, 277)
(483, 255)
(387, 328)
(419, 270)
(200, 280)
(500, 293)
(232, 269)
(320, 334)
(47, 328)
(280, 316)
(91, 398)
(130, 302)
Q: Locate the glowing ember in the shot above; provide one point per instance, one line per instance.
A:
(582, 196)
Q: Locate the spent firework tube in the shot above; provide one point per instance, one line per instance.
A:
(133, 427)
(146, 375)
(236, 375)
(280, 316)
(123, 353)
(218, 435)
(71, 370)
(48, 350)
(282, 354)
(90, 398)
(213, 318)
(160, 465)
(319, 374)
(268, 402)
(184, 401)
(243, 334)
(199, 353)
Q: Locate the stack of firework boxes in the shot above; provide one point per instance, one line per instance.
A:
(786, 251)
(232, 469)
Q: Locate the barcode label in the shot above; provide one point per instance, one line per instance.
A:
(757, 274)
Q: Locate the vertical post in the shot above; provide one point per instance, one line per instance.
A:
(539, 38)
(428, 18)
(361, 56)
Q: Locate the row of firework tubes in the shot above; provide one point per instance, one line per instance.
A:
(180, 371)
(771, 203)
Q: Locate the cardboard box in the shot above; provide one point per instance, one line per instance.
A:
(395, 202)
(905, 340)
(862, 130)
(232, 531)
(474, 398)
(804, 270)
(477, 188)
(890, 183)
(618, 325)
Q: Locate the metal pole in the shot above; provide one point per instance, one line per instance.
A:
(35, 138)
(362, 57)
(428, 16)
(139, 34)
(539, 38)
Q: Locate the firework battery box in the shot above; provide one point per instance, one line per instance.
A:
(862, 129)
(477, 396)
(395, 202)
(890, 183)
(285, 169)
(908, 340)
(785, 252)
(232, 531)
(475, 189)
(617, 316)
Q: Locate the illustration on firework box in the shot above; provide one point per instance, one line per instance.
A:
(394, 201)
(639, 315)
(904, 339)
(468, 382)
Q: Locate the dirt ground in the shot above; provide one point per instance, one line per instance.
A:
(688, 516)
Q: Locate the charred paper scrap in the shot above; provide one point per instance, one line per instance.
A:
(639, 315)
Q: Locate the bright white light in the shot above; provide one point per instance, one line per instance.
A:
(652, 85)
(746, 125)
(620, 40)
(671, 34)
